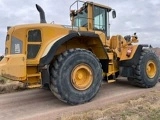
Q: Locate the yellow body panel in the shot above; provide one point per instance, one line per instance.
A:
(113, 65)
(124, 52)
(50, 33)
(28, 70)
(14, 67)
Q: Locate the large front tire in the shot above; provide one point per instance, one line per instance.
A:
(147, 70)
(76, 76)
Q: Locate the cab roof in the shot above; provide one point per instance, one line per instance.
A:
(100, 5)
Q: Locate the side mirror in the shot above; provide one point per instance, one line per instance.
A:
(114, 14)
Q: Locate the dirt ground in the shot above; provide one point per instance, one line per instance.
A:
(7, 86)
(144, 107)
(115, 101)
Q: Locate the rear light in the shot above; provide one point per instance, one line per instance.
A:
(129, 51)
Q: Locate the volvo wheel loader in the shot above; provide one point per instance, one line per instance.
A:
(73, 60)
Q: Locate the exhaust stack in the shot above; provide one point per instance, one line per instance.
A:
(41, 13)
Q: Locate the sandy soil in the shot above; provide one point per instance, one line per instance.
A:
(143, 107)
(114, 101)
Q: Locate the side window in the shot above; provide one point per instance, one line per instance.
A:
(81, 19)
(99, 18)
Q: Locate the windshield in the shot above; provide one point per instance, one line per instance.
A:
(80, 20)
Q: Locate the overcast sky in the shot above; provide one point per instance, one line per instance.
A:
(140, 16)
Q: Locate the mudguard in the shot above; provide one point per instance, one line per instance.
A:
(133, 60)
(45, 60)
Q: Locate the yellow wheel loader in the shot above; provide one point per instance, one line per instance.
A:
(73, 60)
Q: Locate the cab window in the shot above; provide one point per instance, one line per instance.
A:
(99, 18)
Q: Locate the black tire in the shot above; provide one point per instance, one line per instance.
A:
(143, 76)
(61, 76)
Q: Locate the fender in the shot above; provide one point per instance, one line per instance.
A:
(134, 60)
(127, 66)
(45, 60)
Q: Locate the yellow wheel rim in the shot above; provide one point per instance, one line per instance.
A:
(151, 69)
(82, 77)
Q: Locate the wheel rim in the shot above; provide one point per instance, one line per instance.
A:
(82, 77)
(151, 69)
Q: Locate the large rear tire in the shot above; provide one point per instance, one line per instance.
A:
(147, 71)
(76, 76)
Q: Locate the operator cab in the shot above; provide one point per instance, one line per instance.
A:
(91, 15)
